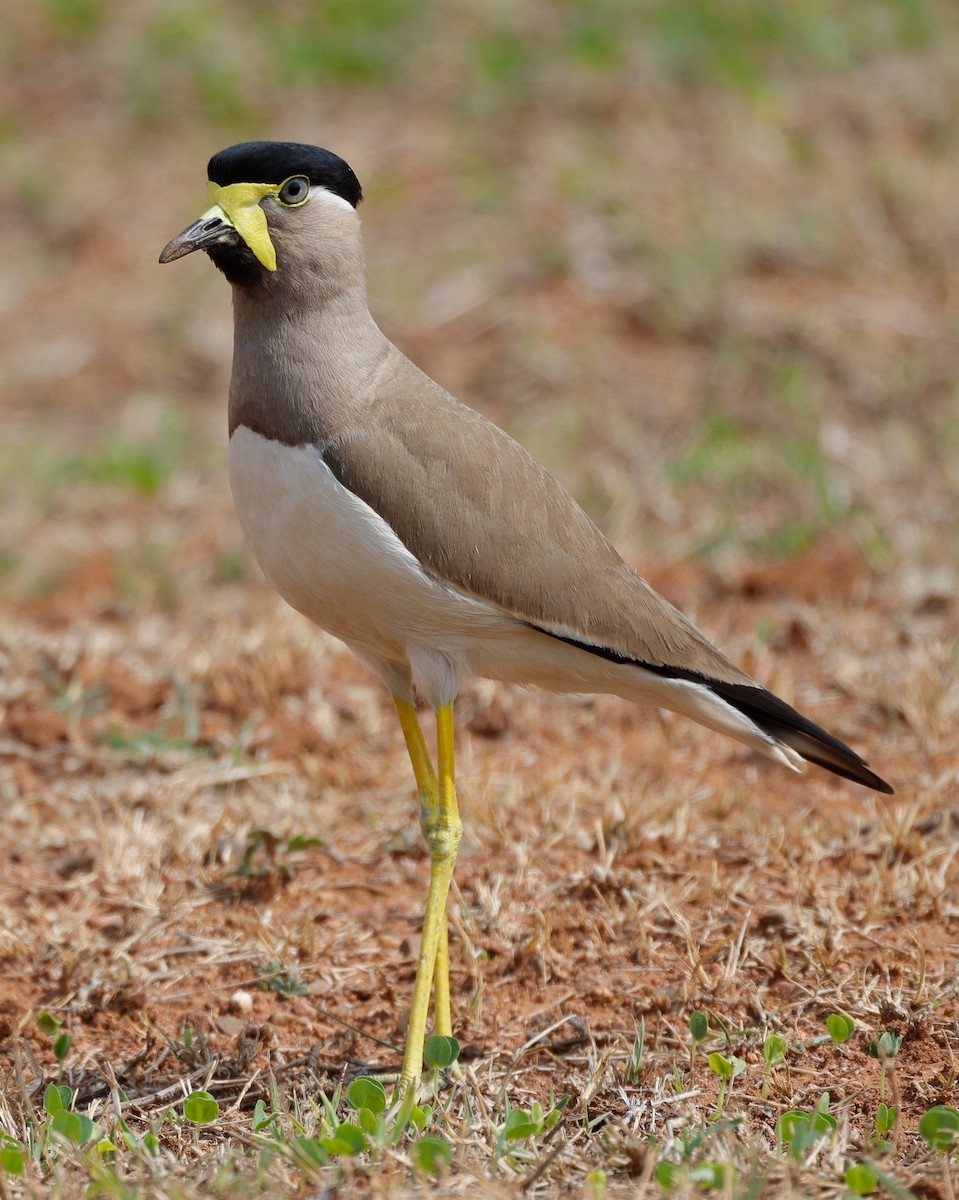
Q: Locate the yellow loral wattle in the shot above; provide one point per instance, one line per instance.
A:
(239, 203)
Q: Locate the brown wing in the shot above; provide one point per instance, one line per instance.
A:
(481, 513)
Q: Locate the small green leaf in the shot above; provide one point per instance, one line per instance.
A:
(303, 842)
(861, 1179)
(712, 1175)
(698, 1025)
(559, 1107)
(87, 1129)
(13, 1159)
(791, 1123)
(634, 1067)
(61, 1047)
(669, 1175)
(886, 1115)
(49, 1024)
(348, 1139)
(371, 1124)
(52, 1102)
(939, 1128)
(554, 1114)
(367, 1093)
(262, 1117)
(55, 1097)
(840, 1027)
(106, 1149)
(201, 1108)
(440, 1051)
(519, 1125)
(420, 1115)
(822, 1120)
(774, 1049)
(68, 1125)
(886, 1045)
(721, 1065)
(801, 1129)
(432, 1154)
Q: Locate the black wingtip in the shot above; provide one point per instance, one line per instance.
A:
(860, 773)
(827, 754)
(781, 721)
(772, 715)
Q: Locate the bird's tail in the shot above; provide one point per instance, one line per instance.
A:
(743, 710)
(785, 725)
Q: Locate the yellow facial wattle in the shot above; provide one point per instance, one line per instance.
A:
(239, 204)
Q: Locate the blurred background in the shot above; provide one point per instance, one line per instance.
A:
(700, 256)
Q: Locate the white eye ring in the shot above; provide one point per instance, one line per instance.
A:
(294, 191)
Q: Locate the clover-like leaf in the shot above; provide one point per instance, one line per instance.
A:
(840, 1027)
(861, 1179)
(698, 1025)
(886, 1045)
(13, 1159)
(347, 1139)
(440, 1052)
(939, 1128)
(55, 1097)
(68, 1125)
(432, 1154)
(201, 1108)
(49, 1024)
(519, 1125)
(368, 1093)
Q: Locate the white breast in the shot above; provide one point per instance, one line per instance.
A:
(336, 561)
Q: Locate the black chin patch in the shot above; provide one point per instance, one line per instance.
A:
(275, 162)
(237, 262)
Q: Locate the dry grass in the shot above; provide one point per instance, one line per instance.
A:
(727, 318)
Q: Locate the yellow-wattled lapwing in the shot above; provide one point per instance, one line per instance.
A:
(415, 530)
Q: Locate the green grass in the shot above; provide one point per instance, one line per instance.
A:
(367, 1129)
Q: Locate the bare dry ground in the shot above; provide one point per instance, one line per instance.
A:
(708, 272)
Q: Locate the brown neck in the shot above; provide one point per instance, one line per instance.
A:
(299, 371)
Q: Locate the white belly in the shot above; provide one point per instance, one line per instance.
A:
(332, 558)
(336, 561)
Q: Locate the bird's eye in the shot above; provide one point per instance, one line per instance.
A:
(294, 191)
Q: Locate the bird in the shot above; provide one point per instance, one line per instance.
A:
(418, 532)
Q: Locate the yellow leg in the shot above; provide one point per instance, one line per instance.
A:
(442, 829)
(416, 748)
(429, 789)
(443, 1010)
